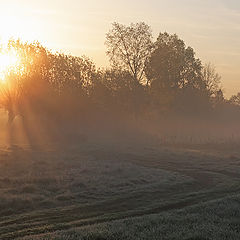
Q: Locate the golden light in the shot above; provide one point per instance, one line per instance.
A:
(8, 61)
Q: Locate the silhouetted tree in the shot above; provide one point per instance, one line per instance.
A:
(172, 65)
(70, 73)
(173, 72)
(235, 99)
(124, 96)
(211, 78)
(23, 81)
(129, 47)
(218, 99)
(120, 85)
(44, 81)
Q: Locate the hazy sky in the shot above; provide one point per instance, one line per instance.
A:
(211, 27)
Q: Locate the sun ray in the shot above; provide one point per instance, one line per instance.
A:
(8, 61)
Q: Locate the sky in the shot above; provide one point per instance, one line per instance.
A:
(79, 27)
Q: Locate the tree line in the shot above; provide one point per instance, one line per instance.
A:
(147, 79)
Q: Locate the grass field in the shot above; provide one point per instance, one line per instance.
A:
(104, 191)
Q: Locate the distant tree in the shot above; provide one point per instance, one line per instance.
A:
(218, 100)
(129, 47)
(235, 99)
(211, 78)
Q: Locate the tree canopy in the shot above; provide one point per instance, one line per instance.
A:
(129, 47)
(146, 76)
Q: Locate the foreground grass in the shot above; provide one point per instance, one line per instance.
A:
(212, 220)
(111, 192)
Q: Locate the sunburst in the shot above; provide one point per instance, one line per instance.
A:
(8, 61)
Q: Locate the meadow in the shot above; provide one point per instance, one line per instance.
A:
(147, 148)
(136, 190)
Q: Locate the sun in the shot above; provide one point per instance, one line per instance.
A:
(8, 61)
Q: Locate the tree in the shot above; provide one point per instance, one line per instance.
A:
(125, 96)
(129, 47)
(22, 80)
(211, 78)
(42, 78)
(174, 74)
(218, 99)
(173, 65)
(235, 99)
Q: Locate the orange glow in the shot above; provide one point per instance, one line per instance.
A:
(8, 61)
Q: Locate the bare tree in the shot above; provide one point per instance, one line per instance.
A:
(129, 47)
(211, 78)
